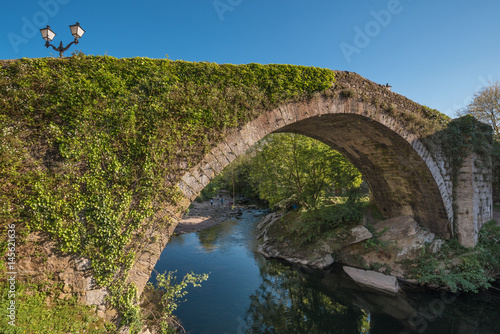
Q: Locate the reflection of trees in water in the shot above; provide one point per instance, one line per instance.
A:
(209, 238)
(285, 303)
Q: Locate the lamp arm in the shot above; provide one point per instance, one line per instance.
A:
(60, 48)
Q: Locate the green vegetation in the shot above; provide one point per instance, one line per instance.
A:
(39, 313)
(304, 227)
(375, 243)
(45, 309)
(287, 169)
(90, 147)
(293, 169)
(496, 172)
(459, 268)
(485, 106)
(235, 177)
(462, 137)
(161, 316)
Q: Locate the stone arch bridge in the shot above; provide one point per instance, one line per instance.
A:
(406, 174)
(372, 127)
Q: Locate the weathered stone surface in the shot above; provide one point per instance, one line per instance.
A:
(82, 264)
(358, 234)
(406, 235)
(400, 238)
(96, 297)
(270, 218)
(373, 280)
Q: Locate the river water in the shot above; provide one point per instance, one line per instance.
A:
(246, 293)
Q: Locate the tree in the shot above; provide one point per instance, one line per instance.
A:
(485, 106)
(294, 169)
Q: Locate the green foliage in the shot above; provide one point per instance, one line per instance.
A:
(459, 268)
(211, 190)
(234, 177)
(173, 294)
(293, 169)
(90, 147)
(461, 137)
(36, 315)
(123, 297)
(307, 225)
(375, 243)
(328, 217)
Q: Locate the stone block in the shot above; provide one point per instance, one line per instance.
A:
(373, 280)
(95, 297)
(358, 234)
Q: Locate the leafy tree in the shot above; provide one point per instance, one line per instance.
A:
(294, 169)
(485, 106)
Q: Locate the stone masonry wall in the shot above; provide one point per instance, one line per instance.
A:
(474, 201)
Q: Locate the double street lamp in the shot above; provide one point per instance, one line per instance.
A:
(48, 35)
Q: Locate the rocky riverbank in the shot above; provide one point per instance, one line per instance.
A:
(373, 257)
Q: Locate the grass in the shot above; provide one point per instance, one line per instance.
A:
(36, 314)
(458, 268)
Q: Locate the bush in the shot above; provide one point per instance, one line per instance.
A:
(458, 268)
(308, 225)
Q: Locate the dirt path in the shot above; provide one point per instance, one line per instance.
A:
(203, 215)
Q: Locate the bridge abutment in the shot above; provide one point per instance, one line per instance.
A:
(473, 202)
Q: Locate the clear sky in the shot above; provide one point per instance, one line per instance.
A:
(436, 53)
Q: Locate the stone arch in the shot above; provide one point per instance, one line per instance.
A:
(402, 174)
(353, 118)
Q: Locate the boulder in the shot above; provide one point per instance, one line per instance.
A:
(358, 233)
(373, 280)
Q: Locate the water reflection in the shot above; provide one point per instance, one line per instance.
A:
(209, 238)
(247, 293)
(286, 303)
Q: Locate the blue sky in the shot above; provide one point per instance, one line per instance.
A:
(436, 53)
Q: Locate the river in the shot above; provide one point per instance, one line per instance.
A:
(246, 293)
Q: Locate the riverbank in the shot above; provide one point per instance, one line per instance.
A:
(378, 252)
(204, 215)
(243, 286)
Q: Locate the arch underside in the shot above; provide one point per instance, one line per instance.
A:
(399, 179)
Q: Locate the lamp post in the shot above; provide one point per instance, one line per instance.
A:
(48, 35)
